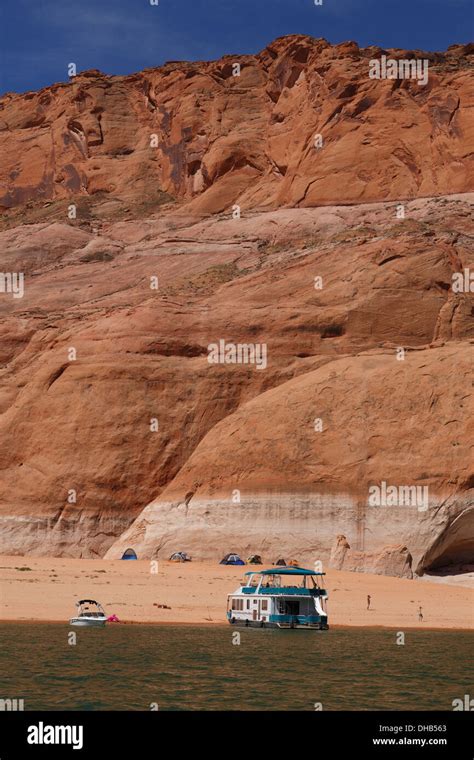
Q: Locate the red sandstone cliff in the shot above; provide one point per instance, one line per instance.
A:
(83, 425)
(194, 130)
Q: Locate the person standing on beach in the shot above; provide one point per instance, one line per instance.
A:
(420, 614)
(368, 601)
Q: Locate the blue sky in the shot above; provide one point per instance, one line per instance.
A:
(38, 38)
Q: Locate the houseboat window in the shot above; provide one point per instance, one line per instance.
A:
(248, 604)
(264, 604)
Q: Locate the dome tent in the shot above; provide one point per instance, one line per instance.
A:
(129, 554)
(180, 557)
(232, 559)
(254, 559)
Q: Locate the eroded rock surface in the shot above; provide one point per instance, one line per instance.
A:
(115, 430)
(390, 560)
(196, 131)
(83, 424)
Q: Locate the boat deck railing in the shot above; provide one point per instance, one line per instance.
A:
(284, 591)
(298, 619)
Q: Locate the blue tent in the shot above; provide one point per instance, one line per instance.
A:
(129, 554)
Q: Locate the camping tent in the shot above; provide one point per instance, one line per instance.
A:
(129, 554)
(180, 557)
(255, 559)
(232, 559)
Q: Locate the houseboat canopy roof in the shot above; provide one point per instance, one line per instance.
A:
(285, 571)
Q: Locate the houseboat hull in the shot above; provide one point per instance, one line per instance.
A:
(274, 624)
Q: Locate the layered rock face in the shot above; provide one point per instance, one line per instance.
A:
(390, 560)
(92, 355)
(299, 487)
(244, 130)
(344, 356)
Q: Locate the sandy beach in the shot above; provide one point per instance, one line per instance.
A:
(46, 589)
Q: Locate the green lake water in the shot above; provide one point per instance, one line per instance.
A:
(131, 667)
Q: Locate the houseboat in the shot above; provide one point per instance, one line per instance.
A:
(283, 597)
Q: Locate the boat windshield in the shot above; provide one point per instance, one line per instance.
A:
(89, 613)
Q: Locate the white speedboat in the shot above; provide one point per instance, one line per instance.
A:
(89, 613)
